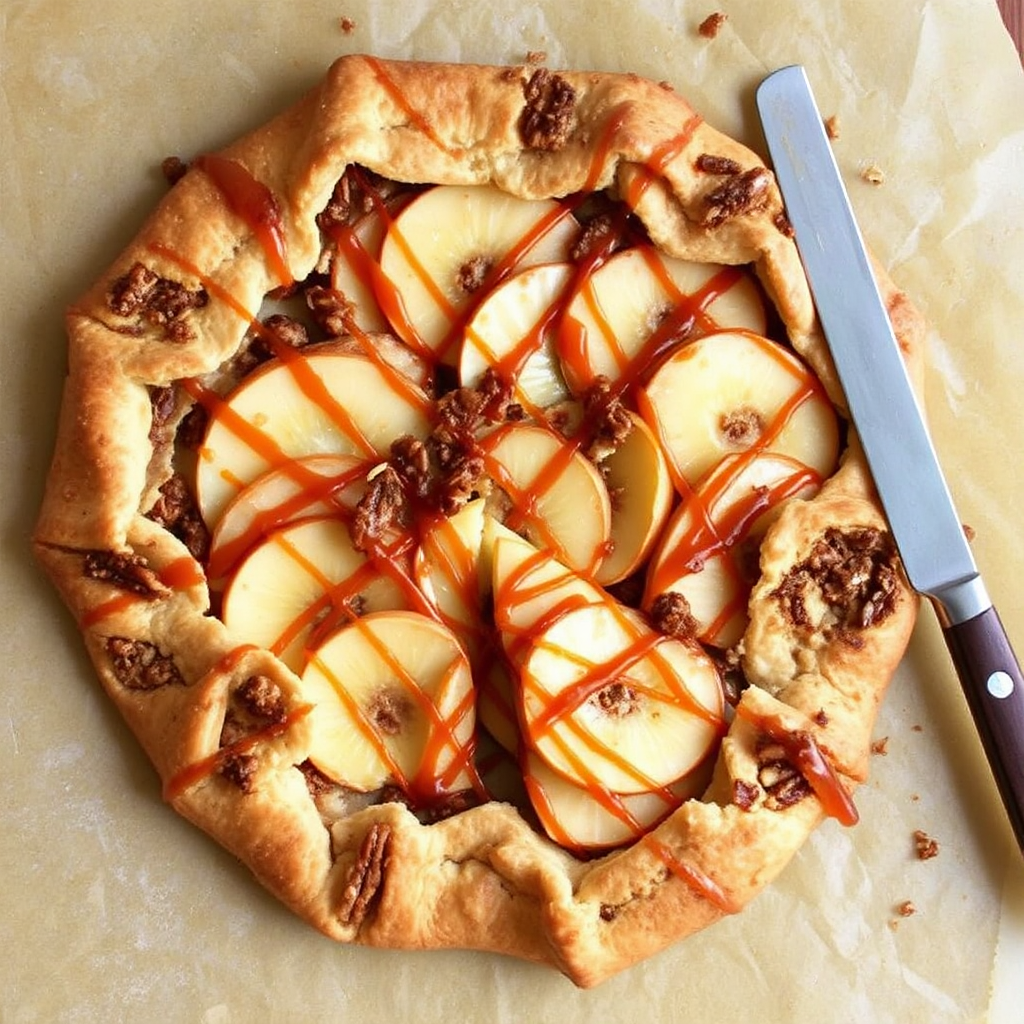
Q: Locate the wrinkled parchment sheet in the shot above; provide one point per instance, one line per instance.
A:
(114, 909)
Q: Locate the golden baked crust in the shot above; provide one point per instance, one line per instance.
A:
(482, 878)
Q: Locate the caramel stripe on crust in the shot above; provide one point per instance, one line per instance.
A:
(245, 222)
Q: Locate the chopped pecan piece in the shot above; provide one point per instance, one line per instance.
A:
(330, 309)
(366, 876)
(381, 506)
(744, 794)
(355, 193)
(547, 119)
(176, 510)
(459, 483)
(737, 195)
(496, 394)
(782, 782)
(157, 300)
(598, 235)
(139, 665)
(708, 163)
(411, 460)
(671, 615)
(124, 570)
(164, 404)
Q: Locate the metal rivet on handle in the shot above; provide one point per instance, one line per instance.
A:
(1000, 684)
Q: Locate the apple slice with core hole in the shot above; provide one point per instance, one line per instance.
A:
(299, 581)
(558, 497)
(640, 304)
(513, 332)
(732, 392)
(443, 247)
(318, 485)
(321, 400)
(393, 703)
(608, 702)
(708, 551)
(641, 493)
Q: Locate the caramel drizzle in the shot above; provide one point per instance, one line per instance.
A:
(180, 574)
(702, 884)
(198, 771)
(708, 538)
(415, 116)
(324, 491)
(802, 749)
(432, 779)
(256, 205)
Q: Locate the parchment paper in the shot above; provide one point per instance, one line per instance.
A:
(114, 909)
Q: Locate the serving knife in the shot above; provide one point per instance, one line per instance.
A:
(890, 425)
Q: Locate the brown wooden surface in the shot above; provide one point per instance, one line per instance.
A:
(1013, 15)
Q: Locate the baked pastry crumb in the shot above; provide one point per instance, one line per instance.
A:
(712, 24)
(873, 174)
(925, 846)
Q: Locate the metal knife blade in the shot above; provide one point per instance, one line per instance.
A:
(889, 423)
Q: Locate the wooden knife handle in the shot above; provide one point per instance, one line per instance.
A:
(994, 687)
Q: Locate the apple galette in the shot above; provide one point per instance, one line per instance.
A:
(453, 492)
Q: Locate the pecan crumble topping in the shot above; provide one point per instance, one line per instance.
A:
(240, 769)
(139, 665)
(176, 510)
(382, 505)
(854, 571)
(157, 300)
(124, 570)
(547, 119)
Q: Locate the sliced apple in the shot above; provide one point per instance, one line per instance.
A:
(582, 818)
(640, 490)
(640, 304)
(708, 551)
(393, 704)
(442, 247)
(301, 579)
(496, 704)
(318, 485)
(354, 266)
(446, 569)
(736, 391)
(530, 588)
(513, 332)
(558, 497)
(610, 703)
(323, 400)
